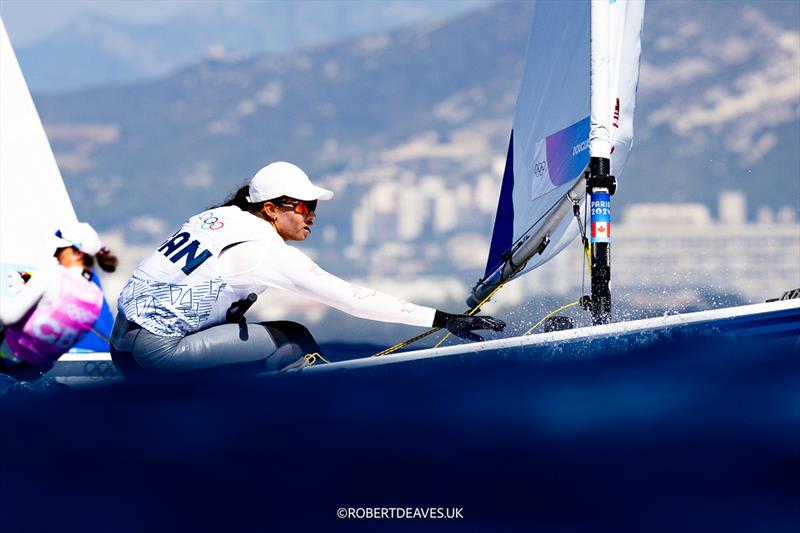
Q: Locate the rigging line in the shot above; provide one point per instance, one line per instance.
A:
(584, 243)
(442, 341)
(311, 358)
(576, 210)
(515, 243)
(500, 285)
(405, 343)
(541, 217)
(471, 312)
(549, 315)
(494, 291)
(475, 309)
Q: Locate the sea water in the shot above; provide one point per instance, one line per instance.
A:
(687, 435)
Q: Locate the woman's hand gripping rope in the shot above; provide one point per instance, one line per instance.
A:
(461, 325)
(479, 323)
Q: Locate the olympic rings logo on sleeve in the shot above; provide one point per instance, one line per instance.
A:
(211, 222)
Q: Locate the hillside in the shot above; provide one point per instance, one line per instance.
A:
(429, 109)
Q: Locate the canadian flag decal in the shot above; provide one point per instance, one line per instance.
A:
(601, 229)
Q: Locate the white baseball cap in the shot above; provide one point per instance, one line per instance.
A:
(284, 179)
(78, 234)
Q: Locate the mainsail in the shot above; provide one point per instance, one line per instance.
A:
(549, 147)
(33, 199)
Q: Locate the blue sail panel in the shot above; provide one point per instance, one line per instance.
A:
(503, 233)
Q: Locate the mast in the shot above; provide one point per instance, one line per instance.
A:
(600, 184)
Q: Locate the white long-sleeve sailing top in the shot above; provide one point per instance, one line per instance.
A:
(221, 255)
(273, 263)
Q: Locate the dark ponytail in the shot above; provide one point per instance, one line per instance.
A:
(87, 260)
(106, 260)
(239, 199)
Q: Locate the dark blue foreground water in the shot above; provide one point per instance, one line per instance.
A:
(699, 435)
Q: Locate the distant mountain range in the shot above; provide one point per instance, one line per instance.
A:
(719, 108)
(96, 49)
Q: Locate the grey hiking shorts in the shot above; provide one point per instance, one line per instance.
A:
(224, 344)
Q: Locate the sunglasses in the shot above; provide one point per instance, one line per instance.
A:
(302, 207)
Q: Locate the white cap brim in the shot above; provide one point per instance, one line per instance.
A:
(312, 193)
(284, 179)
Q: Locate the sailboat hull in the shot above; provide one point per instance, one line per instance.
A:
(774, 325)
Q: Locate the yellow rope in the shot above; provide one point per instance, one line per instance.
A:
(403, 344)
(549, 315)
(534, 327)
(588, 254)
(443, 339)
(392, 349)
(477, 307)
(471, 312)
(311, 358)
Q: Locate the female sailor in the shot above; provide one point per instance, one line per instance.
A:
(56, 306)
(174, 311)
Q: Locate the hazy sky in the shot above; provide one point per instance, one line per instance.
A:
(29, 20)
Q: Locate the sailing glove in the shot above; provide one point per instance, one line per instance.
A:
(462, 325)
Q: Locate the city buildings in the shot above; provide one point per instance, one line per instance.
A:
(674, 247)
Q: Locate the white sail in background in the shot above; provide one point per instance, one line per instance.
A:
(34, 202)
(549, 147)
(33, 199)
